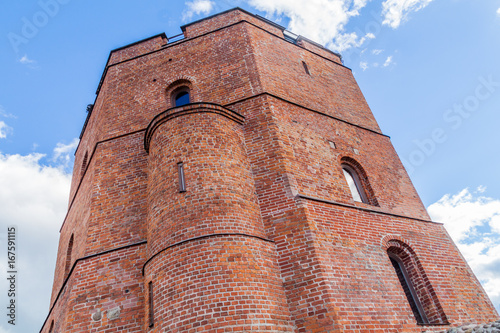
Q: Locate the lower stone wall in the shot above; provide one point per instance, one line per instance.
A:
(475, 328)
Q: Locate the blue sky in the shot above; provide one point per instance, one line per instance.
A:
(428, 69)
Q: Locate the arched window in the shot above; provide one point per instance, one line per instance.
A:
(68, 256)
(180, 92)
(180, 96)
(357, 181)
(421, 296)
(354, 184)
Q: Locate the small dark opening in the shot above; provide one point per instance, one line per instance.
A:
(151, 309)
(182, 180)
(406, 288)
(306, 69)
(51, 329)
(182, 98)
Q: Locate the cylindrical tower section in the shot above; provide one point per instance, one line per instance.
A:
(210, 265)
(219, 196)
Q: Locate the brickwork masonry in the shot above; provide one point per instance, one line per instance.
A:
(232, 213)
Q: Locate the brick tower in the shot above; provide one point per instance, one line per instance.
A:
(234, 179)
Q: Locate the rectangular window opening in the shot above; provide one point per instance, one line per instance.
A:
(182, 180)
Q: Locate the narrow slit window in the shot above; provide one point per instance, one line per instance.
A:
(151, 308)
(354, 185)
(51, 329)
(84, 164)
(306, 69)
(68, 257)
(182, 180)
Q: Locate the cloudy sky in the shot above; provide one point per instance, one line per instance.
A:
(428, 68)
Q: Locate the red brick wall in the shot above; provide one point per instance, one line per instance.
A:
(118, 202)
(316, 166)
(222, 282)
(139, 48)
(105, 282)
(109, 209)
(330, 87)
(338, 251)
(361, 279)
(218, 284)
(75, 224)
(220, 195)
(285, 221)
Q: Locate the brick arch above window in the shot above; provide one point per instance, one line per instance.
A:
(390, 240)
(177, 87)
(359, 175)
(415, 284)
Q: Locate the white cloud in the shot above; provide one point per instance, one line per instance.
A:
(495, 224)
(4, 130)
(462, 213)
(5, 114)
(363, 65)
(388, 61)
(480, 189)
(396, 11)
(323, 21)
(197, 7)
(34, 198)
(498, 11)
(473, 221)
(62, 152)
(377, 52)
(26, 61)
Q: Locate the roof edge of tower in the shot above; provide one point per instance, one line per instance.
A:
(163, 35)
(183, 27)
